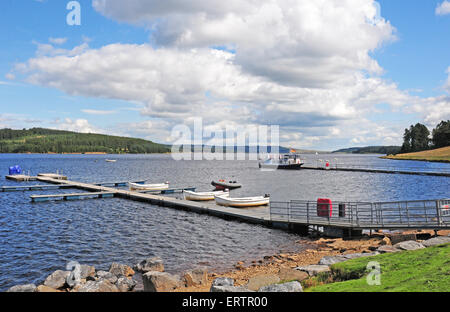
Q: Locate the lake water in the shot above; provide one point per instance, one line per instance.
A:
(37, 239)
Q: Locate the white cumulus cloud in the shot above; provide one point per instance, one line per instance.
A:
(443, 8)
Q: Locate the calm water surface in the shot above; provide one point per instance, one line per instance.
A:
(36, 239)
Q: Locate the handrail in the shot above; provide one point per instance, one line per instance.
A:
(401, 214)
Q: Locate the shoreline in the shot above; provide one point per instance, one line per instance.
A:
(421, 160)
(150, 275)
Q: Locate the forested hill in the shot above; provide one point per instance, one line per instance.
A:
(38, 140)
(371, 150)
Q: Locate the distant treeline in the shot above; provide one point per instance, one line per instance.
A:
(371, 150)
(39, 140)
(418, 138)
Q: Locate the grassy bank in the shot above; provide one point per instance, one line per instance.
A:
(436, 155)
(424, 270)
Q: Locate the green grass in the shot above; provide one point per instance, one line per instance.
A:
(425, 270)
(438, 155)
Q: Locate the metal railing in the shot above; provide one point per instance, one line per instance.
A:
(334, 165)
(403, 214)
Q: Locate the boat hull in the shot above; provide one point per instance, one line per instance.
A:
(281, 166)
(242, 202)
(206, 196)
(225, 185)
(148, 187)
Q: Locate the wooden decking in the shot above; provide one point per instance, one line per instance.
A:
(72, 196)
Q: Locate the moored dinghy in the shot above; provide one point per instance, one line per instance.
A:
(223, 185)
(242, 202)
(148, 187)
(203, 196)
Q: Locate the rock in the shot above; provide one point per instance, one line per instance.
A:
(99, 286)
(387, 249)
(155, 264)
(359, 255)
(107, 276)
(329, 260)
(398, 238)
(257, 282)
(121, 270)
(57, 279)
(198, 276)
(87, 271)
(440, 240)
(223, 281)
(386, 241)
(313, 270)
(409, 245)
(45, 289)
(286, 287)
(22, 288)
(125, 284)
(228, 289)
(160, 282)
(287, 274)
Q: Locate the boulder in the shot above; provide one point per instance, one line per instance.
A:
(288, 274)
(229, 289)
(286, 287)
(22, 288)
(440, 240)
(57, 279)
(409, 245)
(107, 276)
(257, 282)
(330, 260)
(223, 281)
(45, 289)
(121, 270)
(100, 286)
(87, 271)
(386, 241)
(125, 284)
(198, 276)
(313, 270)
(160, 282)
(154, 264)
(398, 238)
(387, 249)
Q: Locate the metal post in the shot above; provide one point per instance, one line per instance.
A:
(438, 212)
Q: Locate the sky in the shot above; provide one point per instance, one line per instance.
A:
(331, 73)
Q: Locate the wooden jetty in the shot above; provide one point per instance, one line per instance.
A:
(73, 196)
(21, 178)
(387, 171)
(33, 188)
(345, 219)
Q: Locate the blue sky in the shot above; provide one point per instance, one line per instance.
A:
(413, 68)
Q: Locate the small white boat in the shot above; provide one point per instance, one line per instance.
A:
(204, 196)
(148, 187)
(242, 202)
(111, 160)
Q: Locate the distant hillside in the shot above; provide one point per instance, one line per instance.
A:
(371, 150)
(438, 155)
(39, 140)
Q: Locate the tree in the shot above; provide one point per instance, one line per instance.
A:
(416, 139)
(441, 134)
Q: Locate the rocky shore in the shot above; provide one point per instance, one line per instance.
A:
(275, 273)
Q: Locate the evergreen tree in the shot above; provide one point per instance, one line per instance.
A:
(441, 134)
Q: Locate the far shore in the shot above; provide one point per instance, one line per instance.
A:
(441, 155)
